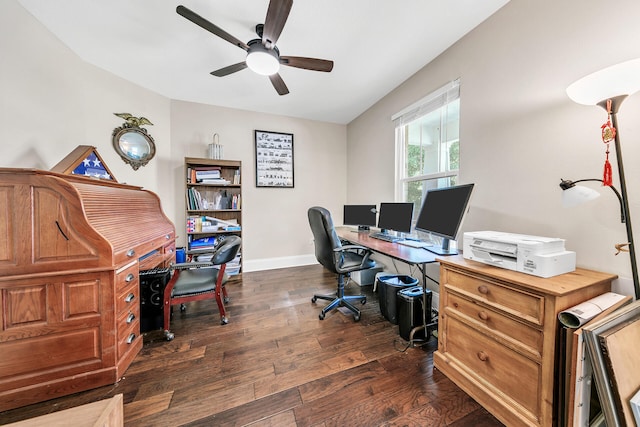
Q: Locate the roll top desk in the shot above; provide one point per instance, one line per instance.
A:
(71, 249)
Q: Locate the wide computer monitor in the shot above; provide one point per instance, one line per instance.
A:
(364, 216)
(396, 216)
(442, 213)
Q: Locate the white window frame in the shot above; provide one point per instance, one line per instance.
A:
(432, 102)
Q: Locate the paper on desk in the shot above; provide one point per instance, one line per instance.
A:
(580, 314)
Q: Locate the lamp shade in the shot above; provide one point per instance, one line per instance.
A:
(577, 195)
(619, 79)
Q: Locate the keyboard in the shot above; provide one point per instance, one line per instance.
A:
(414, 243)
(384, 236)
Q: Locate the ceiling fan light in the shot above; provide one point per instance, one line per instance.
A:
(263, 61)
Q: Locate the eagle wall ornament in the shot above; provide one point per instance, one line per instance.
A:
(132, 142)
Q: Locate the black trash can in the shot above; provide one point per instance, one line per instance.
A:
(388, 287)
(410, 311)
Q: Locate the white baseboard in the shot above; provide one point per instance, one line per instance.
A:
(281, 262)
(299, 261)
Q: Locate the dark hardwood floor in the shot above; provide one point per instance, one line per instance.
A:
(276, 364)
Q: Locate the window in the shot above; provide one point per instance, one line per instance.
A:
(427, 144)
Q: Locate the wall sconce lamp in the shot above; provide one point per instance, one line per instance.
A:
(608, 88)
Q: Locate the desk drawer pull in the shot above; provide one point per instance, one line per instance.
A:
(130, 338)
(130, 297)
(131, 317)
(129, 277)
(131, 253)
(483, 315)
(483, 289)
(483, 356)
(167, 236)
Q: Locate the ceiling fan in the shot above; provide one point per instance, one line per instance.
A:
(263, 56)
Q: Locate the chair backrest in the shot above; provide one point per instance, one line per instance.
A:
(227, 250)
(325, 238)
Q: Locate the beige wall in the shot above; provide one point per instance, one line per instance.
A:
(520, 133)
(274, 220)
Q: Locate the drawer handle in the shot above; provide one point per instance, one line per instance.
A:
(483, 356)
(168, 236)
(130, 338)
(483, 315)
(131, 317)
(129, 278)
(483, 290)
(171, 250)
(131, 253)
(130, 297)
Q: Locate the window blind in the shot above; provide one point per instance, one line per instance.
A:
(435, 100)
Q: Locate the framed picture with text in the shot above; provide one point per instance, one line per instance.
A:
(274, 159)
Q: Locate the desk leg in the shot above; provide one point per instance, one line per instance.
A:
(427, 327)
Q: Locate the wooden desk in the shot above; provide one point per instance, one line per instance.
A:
(71, 249)
(407, 254)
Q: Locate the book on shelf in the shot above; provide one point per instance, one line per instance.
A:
(214, 181)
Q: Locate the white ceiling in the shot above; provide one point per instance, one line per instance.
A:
(375, 46)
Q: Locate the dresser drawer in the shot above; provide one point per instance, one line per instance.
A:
(130, 336)
(128, 298)
(126, 320)
(526, 337)
(503, 371)
(126, 276)
(514, 301)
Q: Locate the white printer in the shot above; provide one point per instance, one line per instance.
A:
(539, 256)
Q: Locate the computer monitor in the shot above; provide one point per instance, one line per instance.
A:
(364, 216)
(442, 213)
(396, 216)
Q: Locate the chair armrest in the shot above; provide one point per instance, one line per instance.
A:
(365, 253)
(351, 247)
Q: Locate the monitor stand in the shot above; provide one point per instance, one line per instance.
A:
(361, 229)
(444, 249)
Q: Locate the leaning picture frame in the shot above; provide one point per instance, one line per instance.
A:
(274, 159)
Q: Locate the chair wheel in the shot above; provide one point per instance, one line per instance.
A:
(356, 318)
(321, 316)
(313, 300)
(168, 335)
(226, 300)
(363, 301)
(224, 321)
(183, 307)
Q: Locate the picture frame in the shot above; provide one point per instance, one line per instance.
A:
(274, 159)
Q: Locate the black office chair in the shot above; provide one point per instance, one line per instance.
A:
(192, 281)
(338, 259)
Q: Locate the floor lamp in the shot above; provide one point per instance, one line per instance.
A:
(608, 88)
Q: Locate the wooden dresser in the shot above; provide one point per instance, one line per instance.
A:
(70, 252)
(497, 334)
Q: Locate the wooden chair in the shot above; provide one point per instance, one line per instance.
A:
(195, 281)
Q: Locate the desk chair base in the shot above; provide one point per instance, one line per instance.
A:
(340, 300)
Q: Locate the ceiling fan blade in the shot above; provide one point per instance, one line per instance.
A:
(307, 63)
(199, 20)
(230, 69)
(278, 83)
(277, 15)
